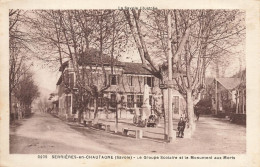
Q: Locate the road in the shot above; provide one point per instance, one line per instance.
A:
(43, 133)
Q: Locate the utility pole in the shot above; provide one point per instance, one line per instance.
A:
(170, 126)
(216, 86)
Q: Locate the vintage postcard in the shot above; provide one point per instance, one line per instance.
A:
(129, 83)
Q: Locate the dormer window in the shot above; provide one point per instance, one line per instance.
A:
(149, 81)
(114, 79)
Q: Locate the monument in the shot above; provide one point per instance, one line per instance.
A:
(146, 108)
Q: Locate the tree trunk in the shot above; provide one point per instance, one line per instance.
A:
(190, 111)
(116, 128)
(80, 115)
(95, 110)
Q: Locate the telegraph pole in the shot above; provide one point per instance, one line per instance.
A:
(170, 126)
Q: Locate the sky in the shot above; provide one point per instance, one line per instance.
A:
(46, 78)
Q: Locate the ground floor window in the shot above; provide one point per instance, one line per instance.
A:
(113, 100)
(139, 100)
(100, 102)
(130, 101)
(91, 102)
(68, 101)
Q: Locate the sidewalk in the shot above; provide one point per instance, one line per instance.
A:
(212, 136)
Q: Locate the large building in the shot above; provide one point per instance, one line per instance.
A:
(127, 79)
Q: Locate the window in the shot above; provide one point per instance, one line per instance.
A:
(130, 80)
(71, 80)
(113, 100)
(130, 101)
(139, 100)
(114, 79)
(91, 102)
(175, 104)
(100, 102)
(68, 101)
(149, 81)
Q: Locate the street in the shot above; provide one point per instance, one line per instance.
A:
(44, 133)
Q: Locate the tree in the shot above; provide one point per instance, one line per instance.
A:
(198, 37)
(43, 104)
(73, 35)
(18, 49)
(158, 70)
(26, 92)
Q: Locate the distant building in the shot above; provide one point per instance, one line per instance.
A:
(223, 96)
(240, 94)
(128, 79)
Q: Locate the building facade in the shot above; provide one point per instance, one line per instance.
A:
(240, 92)
(127, 79)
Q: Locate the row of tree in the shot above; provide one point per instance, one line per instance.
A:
(22, 88)
(195, 38)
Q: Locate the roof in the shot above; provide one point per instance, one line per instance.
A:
(229, 83)
(135, 68)
(64, 65)
(208, 81)
(93, 57)
(59, 81)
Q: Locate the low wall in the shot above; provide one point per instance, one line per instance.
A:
(111, 115)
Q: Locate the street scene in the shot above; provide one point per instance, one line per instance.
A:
(45, 134)
(127, 81)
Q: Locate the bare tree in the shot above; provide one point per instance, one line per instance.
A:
(43, 104)
(73, 34)
(18, 49)
(198, 37)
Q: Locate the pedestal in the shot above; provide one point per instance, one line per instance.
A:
(139, 134)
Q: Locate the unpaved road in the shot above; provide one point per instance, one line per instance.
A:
(43, 133)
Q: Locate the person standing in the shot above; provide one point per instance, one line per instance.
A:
(181, 127)
(198, 114)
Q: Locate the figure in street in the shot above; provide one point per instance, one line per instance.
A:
(181, 127)
(198, 114)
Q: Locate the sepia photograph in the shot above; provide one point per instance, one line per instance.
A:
(131, 80)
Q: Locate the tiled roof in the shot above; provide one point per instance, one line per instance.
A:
(135, 68)
(229, 83)
(93, 57)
